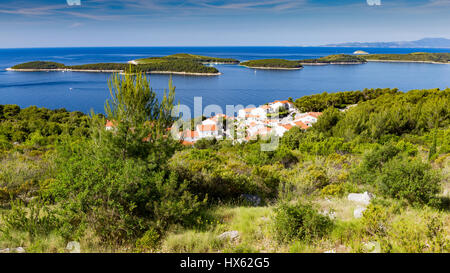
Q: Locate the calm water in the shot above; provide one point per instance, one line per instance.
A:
(237, 85)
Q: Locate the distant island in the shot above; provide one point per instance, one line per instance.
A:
(273, 64)
(334, 59)
(182, 63)
(422, 43)
(186, 56)
(419, 57)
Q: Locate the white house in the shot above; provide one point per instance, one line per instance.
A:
(207, 131)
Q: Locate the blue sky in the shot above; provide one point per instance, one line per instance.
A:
(57, 23)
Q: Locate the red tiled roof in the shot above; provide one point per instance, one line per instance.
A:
(315, 114)
(264, 131)
(252, 116)
(249, 109)
(204, 128)
(189, 134)
(301, 125)
(287, 126)
(109, 124)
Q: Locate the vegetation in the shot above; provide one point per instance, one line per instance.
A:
(64, 177)
(320, 102)
(339, 58)
(40, 65)
(272, 63)
(191, 57)
(411, 57)
(183, 65)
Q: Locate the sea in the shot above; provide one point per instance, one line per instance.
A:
(237, 85)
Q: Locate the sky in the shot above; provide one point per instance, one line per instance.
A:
(86, 23)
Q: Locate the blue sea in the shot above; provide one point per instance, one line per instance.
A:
(237, 85)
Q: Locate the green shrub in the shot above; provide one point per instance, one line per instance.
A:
(411, 180)
(299, 221)
(34, 218)
(376, 158)
(316, 178)
(285, 156)
(375, 220)
(149, 241)
(327, 120)
(333, 190)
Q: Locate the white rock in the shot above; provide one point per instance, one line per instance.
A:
(5, 250)
(363, 198)
(19, 250)
(372, 247)
(73, 247)
(231, 235)
(331, 251)
(358, 212)
(331, 214)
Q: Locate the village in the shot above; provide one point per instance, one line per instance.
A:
(272, 119)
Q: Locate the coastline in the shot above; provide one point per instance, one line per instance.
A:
(111, 71)
(406, 61)
(272, 68)
(338, 63)
(136, 63)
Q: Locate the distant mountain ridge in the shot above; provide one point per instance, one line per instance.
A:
(422, 43)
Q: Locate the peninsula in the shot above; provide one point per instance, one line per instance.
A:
(334, 59)
(182, 63)
(417, 57)
(273, 64)
(187, 56)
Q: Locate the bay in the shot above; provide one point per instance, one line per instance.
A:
(236, 86)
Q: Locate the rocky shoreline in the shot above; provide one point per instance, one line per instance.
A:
(406, 61)
(272, 68)
(111, 71)
(346, 63)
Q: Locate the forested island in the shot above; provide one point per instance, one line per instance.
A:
(371, 175)
(272, 64)
(335, 59)
(190, 57)
(174, 64)
(419, 57)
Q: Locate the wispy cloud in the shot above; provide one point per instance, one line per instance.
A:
(249, 4)
(439, 3)
(76, 24)
(39, 10)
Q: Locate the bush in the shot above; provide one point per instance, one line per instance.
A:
(34, 218)
(328, 120)
(375, 220)
(411, 180)
(149, 241)
(299, 221)
(316, 178)
(333, 190)
(376, 158)
(292, 138)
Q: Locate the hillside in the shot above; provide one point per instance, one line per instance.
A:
(272, 64)
(412, 57)
(156, 65)
(422, 43)
(186, 56)
(363, 179)
(335, 59)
